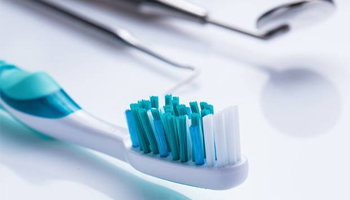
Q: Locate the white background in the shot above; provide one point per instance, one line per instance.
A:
(293, 94)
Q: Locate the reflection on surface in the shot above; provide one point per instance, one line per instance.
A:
(27, 154)
(300, 102)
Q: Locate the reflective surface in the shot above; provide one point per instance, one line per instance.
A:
(311, 81)
(296, 15)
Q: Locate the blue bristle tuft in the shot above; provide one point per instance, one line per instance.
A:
(173, 137)
(160, 135)
(197, 145)
(143, 142)
(166, 129)
(162, 130)
(142, 113)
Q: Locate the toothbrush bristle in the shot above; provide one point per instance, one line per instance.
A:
(154, 102)
(187, 134)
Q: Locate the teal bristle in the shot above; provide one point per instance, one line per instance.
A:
(194, 107)
(163, 118)
(182, 109)
(206, 106)
(182, 132)
(155, 114)
(142, 113)
(195, 119)
(164, 129)
(168, 109)
(143, 142)
(177, 99)
(176, 103)
(145, 104)
(168, 99)
(176, 111)
(140, 104)
(173, 137)
(154, 102)
(205, 112)
(211, 108)
(159, 132)
(203, 105)
(134, 106)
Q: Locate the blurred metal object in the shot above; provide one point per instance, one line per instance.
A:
(118, 34)
(274, 22)
(297, 15)
(124, 37)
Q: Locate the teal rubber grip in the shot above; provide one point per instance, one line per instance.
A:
(34, 93)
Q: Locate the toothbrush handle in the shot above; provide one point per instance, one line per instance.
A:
(37, 101)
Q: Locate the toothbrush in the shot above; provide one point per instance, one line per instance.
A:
(186, 145)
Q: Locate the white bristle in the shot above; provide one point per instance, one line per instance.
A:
(189, 141)
(220, 140)
(209, 140)
(231, 135)
(237, 139)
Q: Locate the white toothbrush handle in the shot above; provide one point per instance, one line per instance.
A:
(33, 100)
(79, 128)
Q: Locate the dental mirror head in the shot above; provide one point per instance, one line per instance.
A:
(295, 15)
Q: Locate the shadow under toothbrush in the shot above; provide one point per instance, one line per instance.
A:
(94, 36)
(55, 160)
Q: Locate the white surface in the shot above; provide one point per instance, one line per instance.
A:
(293, 95)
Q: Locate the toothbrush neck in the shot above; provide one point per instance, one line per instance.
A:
(99, 135)
(79, 128)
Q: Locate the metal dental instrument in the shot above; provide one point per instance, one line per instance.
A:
(272, 23)
(125, 37)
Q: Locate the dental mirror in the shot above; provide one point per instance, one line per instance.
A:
(296, 15)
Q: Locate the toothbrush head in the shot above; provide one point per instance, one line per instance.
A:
(187, 145)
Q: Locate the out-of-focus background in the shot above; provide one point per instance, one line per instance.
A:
(293, 94)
